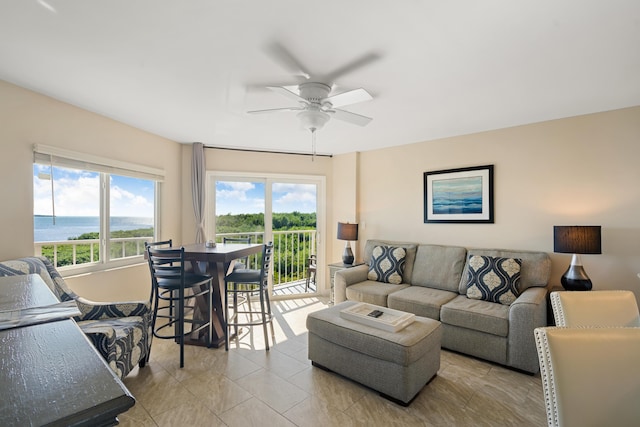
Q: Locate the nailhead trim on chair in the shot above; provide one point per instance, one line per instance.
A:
(546, 374)
(556, 306)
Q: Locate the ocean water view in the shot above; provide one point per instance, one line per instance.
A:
(66, 227)
(463, 205)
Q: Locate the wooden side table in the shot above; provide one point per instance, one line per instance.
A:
(50, 373)
(333, 269)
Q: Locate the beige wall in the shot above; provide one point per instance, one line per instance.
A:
(576, 171)
(27, 118)
(345, 201)
(581, 170)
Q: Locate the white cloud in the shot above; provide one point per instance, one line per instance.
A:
(299, 196)
(126, 203)
(294, 197)
(247, 197)
(78, 194)
(234, 190)
(236, 197)
(73, 196)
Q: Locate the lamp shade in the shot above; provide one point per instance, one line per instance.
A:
(347, 231)
(577, 239)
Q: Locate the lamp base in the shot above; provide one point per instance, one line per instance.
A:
(576, 284)
(347, 255)
(575, 278)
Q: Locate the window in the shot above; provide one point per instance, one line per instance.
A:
(286, 209)
(79, 200)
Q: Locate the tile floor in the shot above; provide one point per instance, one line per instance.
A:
(249, 386)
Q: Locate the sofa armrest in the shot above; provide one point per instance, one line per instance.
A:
(348, 277)
(527, 312)
(92, 310)
(103, 339)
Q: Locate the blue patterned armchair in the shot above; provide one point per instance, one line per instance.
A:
(118, 330)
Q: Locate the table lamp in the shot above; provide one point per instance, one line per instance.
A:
(347, 232)
(576, 240)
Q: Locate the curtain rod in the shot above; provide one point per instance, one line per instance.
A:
(249, 150)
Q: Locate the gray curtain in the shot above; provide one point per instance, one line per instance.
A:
(198, 168)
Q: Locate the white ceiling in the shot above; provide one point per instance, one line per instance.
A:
(189, 70)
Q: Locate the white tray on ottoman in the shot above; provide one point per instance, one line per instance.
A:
(396, 364)
(390, 320)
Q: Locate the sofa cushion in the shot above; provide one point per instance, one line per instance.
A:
(477, 315)
(387, 264)
(421, 301)
(534, 271)
(439, 267)
(410, 256)
(372, 292)
(493, 279)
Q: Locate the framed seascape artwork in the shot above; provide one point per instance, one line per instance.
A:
(462, 195)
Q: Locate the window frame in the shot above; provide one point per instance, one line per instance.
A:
(57, 157)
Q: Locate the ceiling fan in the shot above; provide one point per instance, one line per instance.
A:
(314, 93)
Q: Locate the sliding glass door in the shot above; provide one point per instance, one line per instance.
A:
(285, 209)
(294, 228)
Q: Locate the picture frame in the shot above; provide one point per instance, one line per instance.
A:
(463, 195)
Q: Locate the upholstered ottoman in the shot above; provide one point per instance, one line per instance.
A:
(396, 364)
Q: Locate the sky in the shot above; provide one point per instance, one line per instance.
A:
(249, 197)
(77, 193)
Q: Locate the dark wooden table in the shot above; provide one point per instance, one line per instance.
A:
(50, 374)
(219, 260)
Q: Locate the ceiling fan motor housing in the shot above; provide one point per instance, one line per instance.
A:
(313, 117)
(314, 92)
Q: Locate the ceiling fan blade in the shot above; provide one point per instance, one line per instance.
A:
(350, 117)
(281, 55)
(276, 110)
(289, 94)
(351, 66)
(349, 97)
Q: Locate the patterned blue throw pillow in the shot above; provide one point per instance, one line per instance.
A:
(387, 264)
(493, 279)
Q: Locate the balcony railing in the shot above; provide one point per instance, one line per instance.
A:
(291, 251)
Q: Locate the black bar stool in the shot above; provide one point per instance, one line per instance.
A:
(247, 281)
(244, 263)
(170, 283)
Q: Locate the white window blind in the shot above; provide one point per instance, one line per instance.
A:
(44, 154)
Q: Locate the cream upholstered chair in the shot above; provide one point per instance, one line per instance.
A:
(590, 376)
(595, 308)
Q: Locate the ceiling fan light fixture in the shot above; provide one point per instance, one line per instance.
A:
(313, 119)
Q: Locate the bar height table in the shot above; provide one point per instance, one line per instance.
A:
(218, 259)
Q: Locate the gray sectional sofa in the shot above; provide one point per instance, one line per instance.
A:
(434, 284)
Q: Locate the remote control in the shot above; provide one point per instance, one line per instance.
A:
(375, 313)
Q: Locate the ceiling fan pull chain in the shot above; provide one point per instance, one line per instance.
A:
(313, 145)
